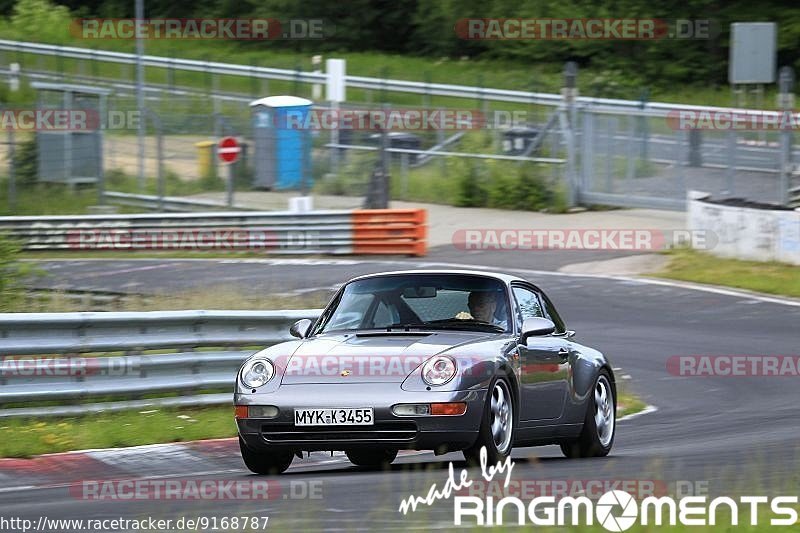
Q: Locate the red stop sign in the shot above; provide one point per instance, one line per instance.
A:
(228, 150)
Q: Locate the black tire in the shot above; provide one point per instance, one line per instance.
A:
(495, 452)
(371, 458)
(592, 442)
(269, 463)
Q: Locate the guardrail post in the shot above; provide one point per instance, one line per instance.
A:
(786, 104)
(695, 148)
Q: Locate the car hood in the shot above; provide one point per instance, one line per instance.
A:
(370, 358)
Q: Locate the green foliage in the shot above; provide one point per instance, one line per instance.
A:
(12, 273)
(45, 20)
(426, 28)
(471, 190)
(26, 162)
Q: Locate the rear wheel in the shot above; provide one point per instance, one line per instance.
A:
(497, 426)
(371, 458)
(274, 462)
(597, 435)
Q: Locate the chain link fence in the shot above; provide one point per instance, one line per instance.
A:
(539, 154)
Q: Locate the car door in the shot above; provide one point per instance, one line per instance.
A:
(544, 362)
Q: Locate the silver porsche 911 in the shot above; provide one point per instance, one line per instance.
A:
(426, 360)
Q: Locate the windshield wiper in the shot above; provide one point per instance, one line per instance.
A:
(407, 326)
(448, 323)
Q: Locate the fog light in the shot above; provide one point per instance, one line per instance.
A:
(262, 411)
(451, 409)
(411, 409)
(256, 411)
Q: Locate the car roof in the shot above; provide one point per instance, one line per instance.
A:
(505, 278)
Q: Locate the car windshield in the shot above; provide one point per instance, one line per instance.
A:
(419, 302)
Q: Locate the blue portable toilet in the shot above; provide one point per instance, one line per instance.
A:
(282, 139)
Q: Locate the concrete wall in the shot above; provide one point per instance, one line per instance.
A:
(745, 232)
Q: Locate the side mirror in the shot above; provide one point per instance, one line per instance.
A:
(536, 327)
(300, 328)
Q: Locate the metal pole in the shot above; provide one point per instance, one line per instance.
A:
(404, 174)
(139, 16)
(786, 104)
(12, 179)
(229, 185)
(101, 173)
(570, 127)
(160, 155)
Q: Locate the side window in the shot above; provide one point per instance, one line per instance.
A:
(528, 305)
(552, 314)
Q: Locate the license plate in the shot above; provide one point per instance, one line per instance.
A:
(334, 417)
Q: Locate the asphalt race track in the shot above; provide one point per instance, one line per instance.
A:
(737, 435)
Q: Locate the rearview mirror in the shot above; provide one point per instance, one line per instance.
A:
(536, 327)
(300, 328)
(419, 292)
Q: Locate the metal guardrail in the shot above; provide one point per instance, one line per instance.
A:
(598, 105)
(166, 203)
(73, 357)
(380, 231)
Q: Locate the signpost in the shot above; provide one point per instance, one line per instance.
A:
(228, 151)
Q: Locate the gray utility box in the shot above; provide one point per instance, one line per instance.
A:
(73, 154)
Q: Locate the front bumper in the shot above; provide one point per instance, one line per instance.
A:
(439, 433)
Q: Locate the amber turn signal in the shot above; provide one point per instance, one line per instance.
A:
(455, 408)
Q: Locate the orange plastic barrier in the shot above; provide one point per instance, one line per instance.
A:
(390, 231)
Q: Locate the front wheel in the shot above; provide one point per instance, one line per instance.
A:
(497, 426)
(275, 462)
(599, 426)
(371, 458)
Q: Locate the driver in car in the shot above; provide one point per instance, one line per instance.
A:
(482, 306)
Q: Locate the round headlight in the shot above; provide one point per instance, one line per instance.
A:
(257, 372)
(438, 370)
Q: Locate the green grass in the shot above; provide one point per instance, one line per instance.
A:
(47, 199)
(628, 404)
(771, 277)
(504, 74)
(39, 199)
(227, 297)
(28, 437)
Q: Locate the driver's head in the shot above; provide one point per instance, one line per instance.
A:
(482, 305)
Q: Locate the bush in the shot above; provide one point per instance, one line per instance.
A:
(45, 20)
(26, 162)
(471, 190)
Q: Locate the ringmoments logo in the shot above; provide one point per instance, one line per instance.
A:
(615, 510)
